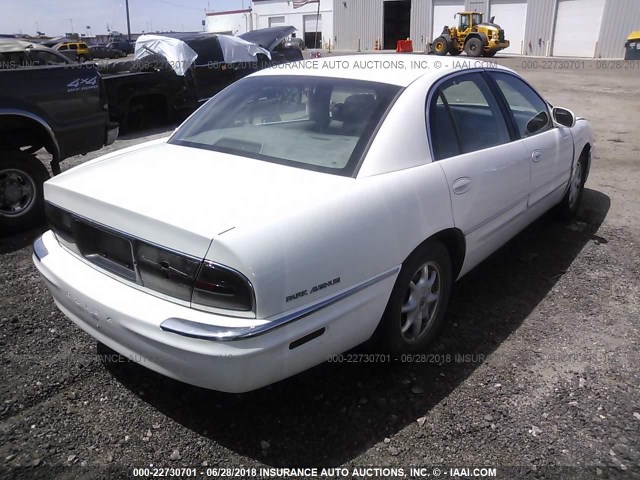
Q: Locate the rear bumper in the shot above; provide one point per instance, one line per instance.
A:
(130, 322)
(112, 133)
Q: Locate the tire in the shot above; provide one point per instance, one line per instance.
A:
(21, 197)
(397, 333)
(490, 54)
(440, 46)
(454, 51)
(473, 47)
(568, 206)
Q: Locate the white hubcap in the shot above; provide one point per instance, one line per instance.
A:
(421, 302)
(576, 183)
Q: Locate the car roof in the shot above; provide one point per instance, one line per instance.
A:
(270, 37)
(14, 45)
(394, 69)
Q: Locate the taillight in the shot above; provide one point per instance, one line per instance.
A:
(221, 287)
(204, 284)
(166, 272)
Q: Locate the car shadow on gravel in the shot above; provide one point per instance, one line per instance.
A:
(332, 413)
(17, 241)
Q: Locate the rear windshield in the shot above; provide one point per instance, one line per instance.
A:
(321, 124)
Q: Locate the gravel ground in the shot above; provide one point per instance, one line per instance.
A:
(535, 373)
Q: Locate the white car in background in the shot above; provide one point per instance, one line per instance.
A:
(302, 210)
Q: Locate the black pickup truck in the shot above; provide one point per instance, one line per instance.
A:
(47, 102)
(149, 89)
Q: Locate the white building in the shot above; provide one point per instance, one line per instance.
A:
(272, 13)
(233, 22)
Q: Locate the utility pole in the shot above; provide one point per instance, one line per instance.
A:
(128, 21)
(71, 23)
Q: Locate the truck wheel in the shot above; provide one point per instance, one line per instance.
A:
(21, 197)
(440, 46)
(454, 51)
(490, 54)
(474, 47)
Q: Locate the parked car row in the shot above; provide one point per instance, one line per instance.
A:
(79, 51)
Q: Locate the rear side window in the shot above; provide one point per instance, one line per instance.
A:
(529, 110)
(83, 45)
(10, 60)
(443, 131)
(41, 57)
(464, 117)
(73, 46)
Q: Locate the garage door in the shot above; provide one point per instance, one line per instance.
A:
(511, 15)
(276, 21)
(577, 28)
(443, 12)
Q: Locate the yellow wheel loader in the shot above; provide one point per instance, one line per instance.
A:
(472, 36)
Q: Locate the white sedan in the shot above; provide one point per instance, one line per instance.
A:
(304, 210)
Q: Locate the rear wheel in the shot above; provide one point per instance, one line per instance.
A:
(440, 46)
(473, 47)
(419, 300)
(21, 197)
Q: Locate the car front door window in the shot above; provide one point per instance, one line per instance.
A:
(530, 112)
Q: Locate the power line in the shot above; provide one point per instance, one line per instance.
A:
(180, 6)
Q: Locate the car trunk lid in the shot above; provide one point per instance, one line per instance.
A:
(182, 197)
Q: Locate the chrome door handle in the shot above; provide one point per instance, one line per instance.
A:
(536, 156)
(461, 185)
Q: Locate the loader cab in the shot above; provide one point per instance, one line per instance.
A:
(464, 22)
(467, 22)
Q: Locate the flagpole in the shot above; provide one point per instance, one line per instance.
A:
(315, 40)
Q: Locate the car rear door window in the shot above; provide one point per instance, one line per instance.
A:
(464, 111)
(530, 112)
(41, 57)
(444, 137)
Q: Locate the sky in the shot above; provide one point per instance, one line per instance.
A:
(55, 17)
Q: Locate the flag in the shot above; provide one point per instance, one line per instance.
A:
(302, 3)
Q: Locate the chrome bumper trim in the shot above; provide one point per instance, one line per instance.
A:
(39, 249)
(188, 328)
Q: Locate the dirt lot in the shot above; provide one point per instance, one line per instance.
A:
(535, 374)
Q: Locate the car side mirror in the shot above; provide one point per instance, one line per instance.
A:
(563, 117)
(538, 122)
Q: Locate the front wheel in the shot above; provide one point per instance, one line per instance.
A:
(21, 196)
(419, 300)
(568, 206)
(473, 47)
(440, 46)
